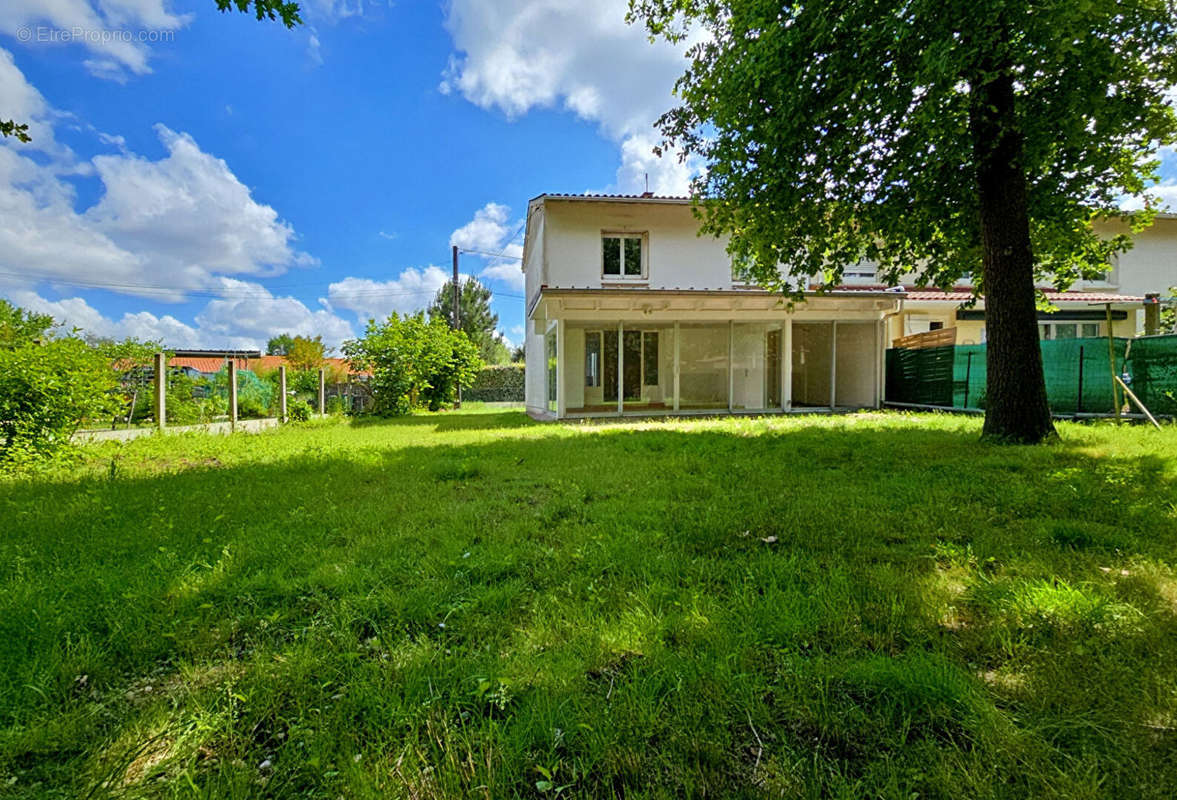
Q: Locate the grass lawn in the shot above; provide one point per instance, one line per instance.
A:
(475, 605)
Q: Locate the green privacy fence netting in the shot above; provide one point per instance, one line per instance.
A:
(254, 396)
(1078, 374)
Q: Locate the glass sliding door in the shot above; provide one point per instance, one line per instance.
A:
(772, 349)
(551, 350)
(704, 379)
(756, 376)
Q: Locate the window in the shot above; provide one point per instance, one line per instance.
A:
(622, 256)
(1068, 330)
(863, 270)
(935, 325)
(592, 358)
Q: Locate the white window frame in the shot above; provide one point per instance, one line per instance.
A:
(1050, 329)
(644, 273)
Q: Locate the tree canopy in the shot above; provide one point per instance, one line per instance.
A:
(279, 345)
(926, 136)
(477, 319)
(20, 326)
(415, 362)
(305, 353)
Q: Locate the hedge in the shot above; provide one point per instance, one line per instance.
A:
(497, 383)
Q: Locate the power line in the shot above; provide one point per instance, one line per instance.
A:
(227, 293)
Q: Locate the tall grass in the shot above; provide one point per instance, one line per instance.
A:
(474, 605)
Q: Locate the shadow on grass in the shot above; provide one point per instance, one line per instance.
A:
(846, 608)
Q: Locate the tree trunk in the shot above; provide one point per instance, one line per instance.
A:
(1016, 408)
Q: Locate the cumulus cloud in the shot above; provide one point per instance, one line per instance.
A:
(517, 55)
(411, 291)
(74, 312)
(191, 214)
(182, 220)
(245, 317)
(492, 231)
(250, 311)
(113, 56)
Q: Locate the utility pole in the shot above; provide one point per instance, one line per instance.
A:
(457, 317)
(457, 320)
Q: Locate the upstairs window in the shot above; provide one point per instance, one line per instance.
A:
(623, 256)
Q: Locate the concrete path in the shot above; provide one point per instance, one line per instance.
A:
(127, 434)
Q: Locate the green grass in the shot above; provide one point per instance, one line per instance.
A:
(475, 605)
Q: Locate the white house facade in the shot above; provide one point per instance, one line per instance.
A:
(631, 312)
(1123, 298)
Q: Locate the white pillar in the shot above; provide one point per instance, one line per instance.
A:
(833, 364)
(620, 367)
(731, 379)
(161, 391)
(561, 370)
(322, 391)
(787, 372)
(677, 352)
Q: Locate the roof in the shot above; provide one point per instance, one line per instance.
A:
(960, 294)
(648, 197)
(210, 365)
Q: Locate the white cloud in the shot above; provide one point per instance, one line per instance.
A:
(245, 317)
(517, 55)
(492, 231)
(109, 29)
(76, 312)
(191, 214)
(485, 231)
(411, 291)
(20, 101)
(251, 312)
(178, 221)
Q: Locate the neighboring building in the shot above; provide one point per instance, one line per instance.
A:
(207, 363)
(1149, 267)
(630, 311)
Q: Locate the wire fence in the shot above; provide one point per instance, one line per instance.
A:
(1078, 374)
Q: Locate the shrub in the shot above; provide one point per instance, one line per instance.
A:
(414, 362)
(46, 391)
(498, 383)
(298, 411)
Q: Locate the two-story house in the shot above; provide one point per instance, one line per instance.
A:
(631, 311)
(1148, 268)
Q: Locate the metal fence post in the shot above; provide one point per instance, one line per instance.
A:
(233, 394)
(282, 388)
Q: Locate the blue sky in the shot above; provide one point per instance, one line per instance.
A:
(210, 180)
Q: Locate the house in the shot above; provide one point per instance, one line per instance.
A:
(631, 312)
(1123, 294)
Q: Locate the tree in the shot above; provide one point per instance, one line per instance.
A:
(476, 318)
(518, 354)
(414, 362)
(1169, 313)
(926, 136)
(305, 353)
(279, 345)
(19, 326)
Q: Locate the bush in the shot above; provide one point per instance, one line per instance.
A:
(298, 411)
(498, 383)
(46, 391)
(415, 363)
